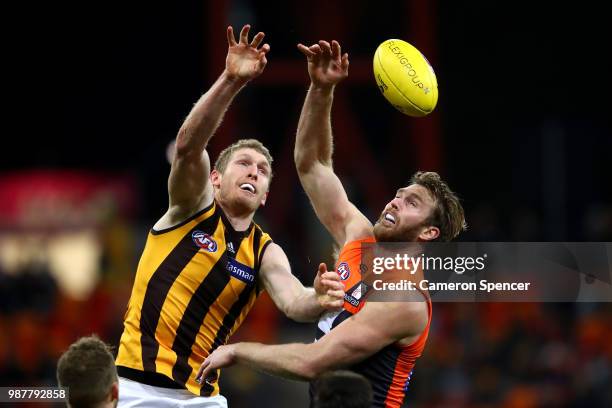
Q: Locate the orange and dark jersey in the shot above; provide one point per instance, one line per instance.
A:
(388, 370)
(194, 285)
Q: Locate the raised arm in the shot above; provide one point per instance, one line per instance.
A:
(189, 188)
(314, 145)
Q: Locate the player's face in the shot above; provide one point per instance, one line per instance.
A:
(245, 181)
(405, 217)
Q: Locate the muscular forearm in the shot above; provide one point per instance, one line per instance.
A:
(314, 135)
(207, 114)
(287, 360)
(305, 307)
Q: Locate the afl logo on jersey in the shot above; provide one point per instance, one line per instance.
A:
(204, 241)
(343, 271)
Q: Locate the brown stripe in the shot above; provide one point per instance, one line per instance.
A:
(159, 286)
(230, 318)
(206, 294)
(228, 322)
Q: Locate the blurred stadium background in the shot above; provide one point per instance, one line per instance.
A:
(522, 131)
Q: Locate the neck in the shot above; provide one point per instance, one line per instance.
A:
(240, 220)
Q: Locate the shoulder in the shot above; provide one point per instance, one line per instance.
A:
(354, 247)
(260, 233)
(177, 217)
(273, 253)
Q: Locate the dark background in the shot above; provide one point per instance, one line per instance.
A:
(523, 113)
(522, 132)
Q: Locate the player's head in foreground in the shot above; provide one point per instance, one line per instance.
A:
(425, 210)
(88, 370)
(241, 176)
(342, 389)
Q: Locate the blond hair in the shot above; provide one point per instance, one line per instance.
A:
(226, 154)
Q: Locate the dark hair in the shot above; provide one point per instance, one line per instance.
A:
(342, 389)
(448, 213)
(88, 370)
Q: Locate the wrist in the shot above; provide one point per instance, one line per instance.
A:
(232, 80)
(324, 89)
(234, 352)
(239, 350)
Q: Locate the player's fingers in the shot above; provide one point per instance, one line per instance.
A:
(344, 64)
(337, 303)
(315, 48)
(203, 375)
(336, 51)
(198, 376)
(322, 269)
(317, 53)
(327, 51)
(305, 50)
(332, 284)
(244, 34)
(263, 61)
(257, 39)
(331, 275)
(264, 49)
(231, 40)
(335, 293)
(334, 304)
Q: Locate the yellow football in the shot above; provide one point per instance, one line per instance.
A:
(405, 78)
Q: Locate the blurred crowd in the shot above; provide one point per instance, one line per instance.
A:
(478, 354)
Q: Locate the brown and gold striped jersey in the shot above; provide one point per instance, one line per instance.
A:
(194, 285)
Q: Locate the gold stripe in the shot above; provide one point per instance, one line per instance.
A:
(156, 250)
(179, 296)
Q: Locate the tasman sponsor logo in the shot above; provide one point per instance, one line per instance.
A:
(240, 271)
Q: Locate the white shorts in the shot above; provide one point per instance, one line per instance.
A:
(135, 394)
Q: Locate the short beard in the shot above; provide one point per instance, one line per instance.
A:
(409, 235)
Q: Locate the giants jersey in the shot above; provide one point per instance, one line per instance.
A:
(194, 286)
(389, 369)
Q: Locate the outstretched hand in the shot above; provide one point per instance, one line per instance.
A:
(329, 289)
(245, 60)
(222, 357)
(326, 64)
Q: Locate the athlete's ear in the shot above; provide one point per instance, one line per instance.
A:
(264, 198)
(215, 178)
(429, 233)
(114, 393)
